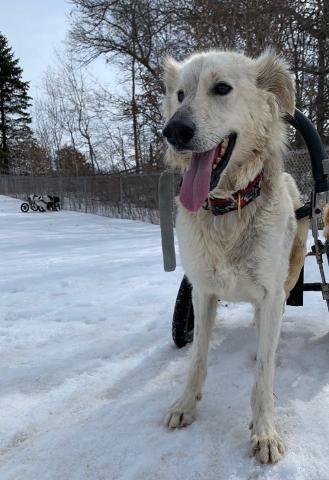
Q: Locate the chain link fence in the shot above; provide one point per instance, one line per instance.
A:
(120, 196)
(126, 196)
(298, 164)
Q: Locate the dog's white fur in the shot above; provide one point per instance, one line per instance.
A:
(227, 257)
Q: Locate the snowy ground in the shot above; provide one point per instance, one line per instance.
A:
(87, 366)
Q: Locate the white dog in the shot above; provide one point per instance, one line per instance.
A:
(236, 225)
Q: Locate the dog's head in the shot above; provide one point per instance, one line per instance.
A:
(222, 106)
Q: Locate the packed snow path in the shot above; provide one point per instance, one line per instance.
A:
(88, 367)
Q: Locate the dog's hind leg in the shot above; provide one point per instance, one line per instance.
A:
(182, 412)
(266, 444)
(298, 249)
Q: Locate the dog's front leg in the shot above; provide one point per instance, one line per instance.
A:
(266, 444)
(182, 412)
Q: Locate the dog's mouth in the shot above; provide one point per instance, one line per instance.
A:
(204, 172)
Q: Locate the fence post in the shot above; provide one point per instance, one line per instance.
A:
(60, 188)
(85, 193)
(121, 196)
(121, 190)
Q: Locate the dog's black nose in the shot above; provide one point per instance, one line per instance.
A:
(179, 132)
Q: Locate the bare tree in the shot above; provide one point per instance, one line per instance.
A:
(48, 116)
(66, 113)
(137, 34)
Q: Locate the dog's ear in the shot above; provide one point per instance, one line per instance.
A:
(171, 69)
(273, 76)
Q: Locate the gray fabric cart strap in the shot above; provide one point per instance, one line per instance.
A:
(166, 202)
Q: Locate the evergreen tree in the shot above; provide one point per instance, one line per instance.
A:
(14, 102)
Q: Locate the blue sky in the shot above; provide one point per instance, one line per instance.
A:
(34, 28)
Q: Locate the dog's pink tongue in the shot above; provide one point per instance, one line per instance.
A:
(196, 180)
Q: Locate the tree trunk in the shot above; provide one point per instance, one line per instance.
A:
(134, 115)
(4, 161)
(320, 98)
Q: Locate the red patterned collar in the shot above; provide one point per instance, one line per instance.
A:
(239, 199)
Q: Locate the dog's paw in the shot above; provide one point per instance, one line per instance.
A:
(180, 414)
(267, 448)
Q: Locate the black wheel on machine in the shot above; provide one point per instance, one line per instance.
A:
(183, 317)
(34, 207)
(25, 207)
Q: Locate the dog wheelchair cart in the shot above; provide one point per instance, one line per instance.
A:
(183, 316)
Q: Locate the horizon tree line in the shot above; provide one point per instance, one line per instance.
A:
(121, 131)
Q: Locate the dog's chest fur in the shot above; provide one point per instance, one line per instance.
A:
(228, 255)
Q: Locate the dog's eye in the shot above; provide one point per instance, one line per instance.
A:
(180, 95)
(222, 88)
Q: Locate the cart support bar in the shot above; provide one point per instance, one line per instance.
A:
(166, 203)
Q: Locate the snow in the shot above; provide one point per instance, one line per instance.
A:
(88, 368)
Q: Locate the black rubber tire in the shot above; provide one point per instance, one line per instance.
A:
(34, 207)
(183, 317)
(25, 207)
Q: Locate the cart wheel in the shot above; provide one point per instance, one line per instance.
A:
(34, 207)
(25, 207)
(183, 318)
